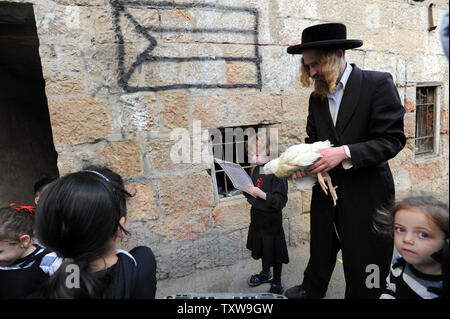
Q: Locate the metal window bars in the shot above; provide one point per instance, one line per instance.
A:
(425, 120)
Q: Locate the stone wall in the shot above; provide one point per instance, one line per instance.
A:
(121, 75)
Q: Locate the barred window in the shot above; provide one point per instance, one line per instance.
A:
(229, 144)
(425, 120)
(230, 147)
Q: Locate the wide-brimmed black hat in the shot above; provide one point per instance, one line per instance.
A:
(326, 36)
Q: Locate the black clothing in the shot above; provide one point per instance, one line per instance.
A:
(370, 122)
(27, 274)
(406, 282)
(277, 268)
(266, 235)
(132, 277)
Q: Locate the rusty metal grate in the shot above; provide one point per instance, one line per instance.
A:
(425, 120)
(225, 187)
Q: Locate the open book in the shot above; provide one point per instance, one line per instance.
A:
(237, 174)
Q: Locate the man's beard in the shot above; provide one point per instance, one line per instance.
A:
(324, 86)
(326, 82)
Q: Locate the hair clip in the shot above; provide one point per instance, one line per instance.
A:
(30, 209)
(97, 173)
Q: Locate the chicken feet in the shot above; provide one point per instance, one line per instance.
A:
(332, 188)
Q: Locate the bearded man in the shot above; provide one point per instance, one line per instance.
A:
(360, 112)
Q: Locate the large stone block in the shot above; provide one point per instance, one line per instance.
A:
(79, 120)
(298, 231)
(137, 112)
(410, 99)
(306, 200)
(81, 3)
(294, 205)
(295, 107)
(182, 226)
(142, 206)
(290, 133)
(427, 68)
(404, 156)
(289, 31)
(279, 70)
(175, 108)
(351, 10)
(381, 62)
(55, 19)
(444, 125)
(206, 19)
(159, 154)
(177, 259)
(97, 24)
(63, 84)
(401, 180)
(61, 57)
(233, 214)
(241, 72)
(186, 193)
(124, 157)
(299, 9)
(219, 248)
(292, 129)
(242, 110)
(140, 234)
(419, 173)
(65, 165)
(410, 124)
(100, 67)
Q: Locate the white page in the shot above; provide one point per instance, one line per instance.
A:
(237, 175)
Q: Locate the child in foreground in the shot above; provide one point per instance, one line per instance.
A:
(266, 238)
(81, 216)
(420, 228)
(24, 266)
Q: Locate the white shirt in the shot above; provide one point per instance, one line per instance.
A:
(334, 103)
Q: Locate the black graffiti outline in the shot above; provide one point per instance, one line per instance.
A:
(119, 8)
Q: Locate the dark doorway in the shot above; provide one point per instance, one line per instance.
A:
(27, 152)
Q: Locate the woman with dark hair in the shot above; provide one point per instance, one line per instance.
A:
(81, 216)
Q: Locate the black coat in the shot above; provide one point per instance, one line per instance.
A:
(266, 237)
(370, 122)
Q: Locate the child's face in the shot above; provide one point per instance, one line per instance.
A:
(416, 237)
(257, 151)
(260, 158)
(10, 251)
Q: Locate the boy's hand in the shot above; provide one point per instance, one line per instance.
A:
(256, 191)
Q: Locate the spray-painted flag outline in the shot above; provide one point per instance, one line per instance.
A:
(158, 58)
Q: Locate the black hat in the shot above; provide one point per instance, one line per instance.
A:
(327, 36)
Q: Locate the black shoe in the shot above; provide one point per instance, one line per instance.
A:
(276, 289)
(298, 292)
(258, 279)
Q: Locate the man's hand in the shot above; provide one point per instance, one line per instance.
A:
(256, 191)
(331, 157)
(298, 174)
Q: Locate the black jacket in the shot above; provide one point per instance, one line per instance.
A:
(266, 237)
(370, 122)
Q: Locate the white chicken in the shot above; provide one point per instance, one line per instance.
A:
(298, 158)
